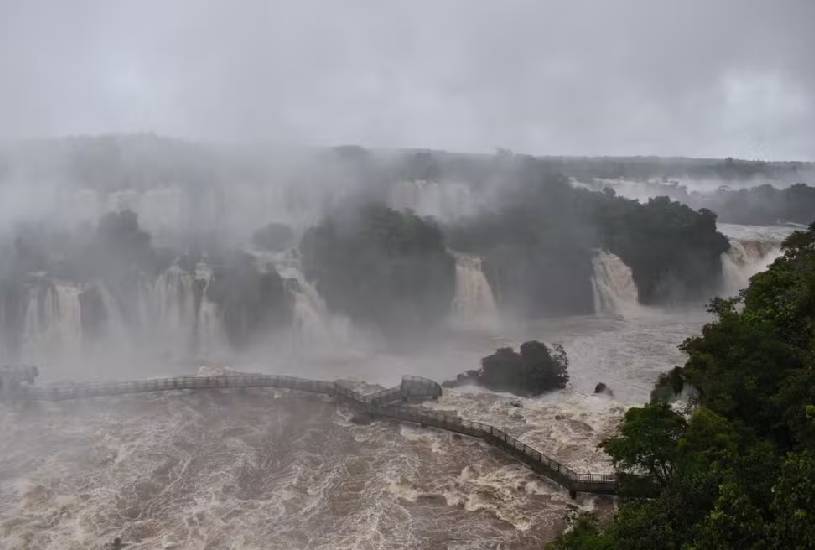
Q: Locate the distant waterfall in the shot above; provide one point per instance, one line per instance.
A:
(474, 301)
(613, 284)
(186, 319)
(174, 303)
(52, 321)
(744, 259)
(314, 327)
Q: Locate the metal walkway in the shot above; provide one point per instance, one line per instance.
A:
(387, 403)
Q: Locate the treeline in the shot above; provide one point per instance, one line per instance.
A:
(538, 234)
(762, 205)
(539, 239)
(738, 471)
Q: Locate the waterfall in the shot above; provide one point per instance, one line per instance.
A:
(474, 301)
(186, 320)
(314, 327)
(116, 332)
(210, 333)
(744, 259)
(613, 285)
(52, 323)
(174, 309)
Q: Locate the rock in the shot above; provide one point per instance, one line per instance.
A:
(361, 419)
(602, 388)
(515, 403)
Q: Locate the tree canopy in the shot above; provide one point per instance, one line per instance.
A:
(739, 471)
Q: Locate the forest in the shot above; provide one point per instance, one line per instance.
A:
(736, 469)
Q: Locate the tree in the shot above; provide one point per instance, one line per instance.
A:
(739, 472)
(385, 269)
(647, 442)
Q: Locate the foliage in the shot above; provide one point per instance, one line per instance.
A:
(539, 240)
(739, 472)
(250, 300)
(648, 441)
(383, 268)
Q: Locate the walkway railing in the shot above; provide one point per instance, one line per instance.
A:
(385, 403)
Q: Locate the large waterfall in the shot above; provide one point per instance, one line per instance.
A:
(52, 322)
(185, 318)
(474, 301)
(744, 259)
(613, 284)
(314, 327)
(169, 317)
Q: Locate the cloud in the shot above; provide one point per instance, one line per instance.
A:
(720, 78)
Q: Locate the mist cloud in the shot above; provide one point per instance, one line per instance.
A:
(725, 78)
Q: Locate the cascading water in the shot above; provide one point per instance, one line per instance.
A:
(186, 319)
(174, 303)
(744, 259)
(314, 327)
(52, 323)
(474, 301)
(613, 285)
(210, 333)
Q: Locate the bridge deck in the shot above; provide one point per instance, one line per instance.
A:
(380, 404)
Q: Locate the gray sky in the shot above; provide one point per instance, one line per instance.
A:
(680, 77)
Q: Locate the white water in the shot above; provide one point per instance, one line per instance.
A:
(267, 470)
(474, 302)
(752, 250)
(52, 321)
(613, 285)
(315, 329)
(743, 260)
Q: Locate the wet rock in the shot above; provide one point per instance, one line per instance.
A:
(361, 419)
(602, 388)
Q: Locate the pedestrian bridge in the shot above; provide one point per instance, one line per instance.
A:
(392, 403)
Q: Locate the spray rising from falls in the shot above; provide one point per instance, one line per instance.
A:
(445, 200)
(613, 285)
(474, 301)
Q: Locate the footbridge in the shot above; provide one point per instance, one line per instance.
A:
(392, 403)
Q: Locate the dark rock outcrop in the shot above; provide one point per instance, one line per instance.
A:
(533, 371)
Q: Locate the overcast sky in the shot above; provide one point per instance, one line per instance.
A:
(679, 77)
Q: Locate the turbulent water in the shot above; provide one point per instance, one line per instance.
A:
(613, 285)
(752, 250)
(272, 469)
(474, 302)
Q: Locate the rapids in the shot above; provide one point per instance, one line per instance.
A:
(270, 469)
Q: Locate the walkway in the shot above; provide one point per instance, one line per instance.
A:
(387, 403)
